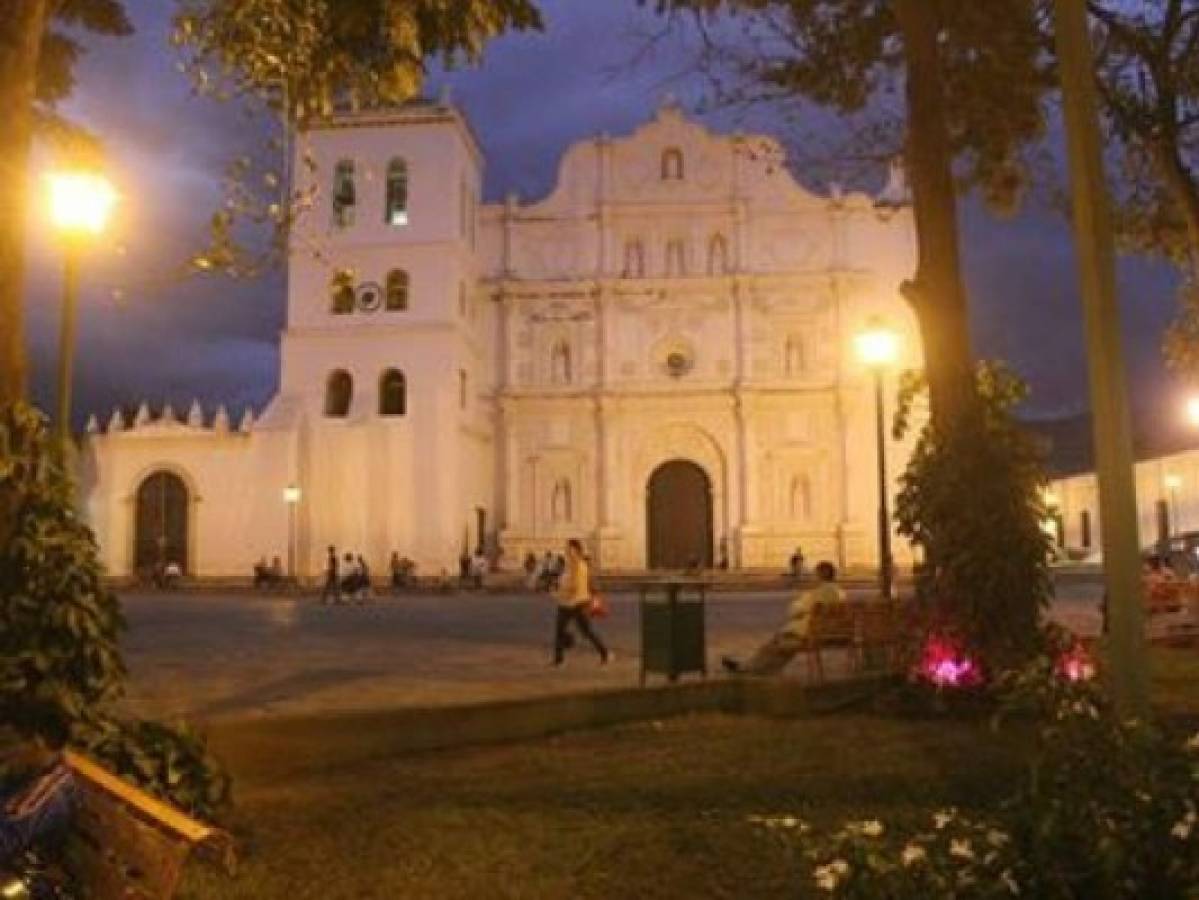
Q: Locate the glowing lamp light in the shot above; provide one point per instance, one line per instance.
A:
(1172, 482)
(1193, 410)
(1076, 664)
(80, 202)
(291, 495)
(877, 346)
(945, 665)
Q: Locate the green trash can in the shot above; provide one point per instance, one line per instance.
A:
(673, 631)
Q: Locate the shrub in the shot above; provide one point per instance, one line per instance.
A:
(60, 661)
(971, 500)
(170, 762)
(1109, 811)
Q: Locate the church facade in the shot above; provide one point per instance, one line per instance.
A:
(656, 358)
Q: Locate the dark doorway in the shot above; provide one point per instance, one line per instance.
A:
(679, 517)
(160, 529)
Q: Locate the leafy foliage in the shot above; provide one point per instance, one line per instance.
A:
(1148, 80)
(168, 761)
(1181, 344)
(307, 56)
(60, 52)
(972, 501)
(1109, 809)
(59, 626)
(303, 61)
(848, 56)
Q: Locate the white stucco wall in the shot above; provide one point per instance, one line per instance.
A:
(494, 292)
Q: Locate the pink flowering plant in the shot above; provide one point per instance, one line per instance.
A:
(1108, 810)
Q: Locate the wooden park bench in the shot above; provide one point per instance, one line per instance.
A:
(877, 635)
(127, 845)
(831, 625)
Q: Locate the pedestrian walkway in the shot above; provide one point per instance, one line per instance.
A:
(230, 655)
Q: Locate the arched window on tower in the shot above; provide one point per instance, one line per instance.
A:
(397, 290)
(718, 255)
(672, 164)
(676, 258)
(795, 356)
(341, 294)
(634, 258)
(395, 209)
(393, 393)
(562, 501)
(801, 498)
(339, 393)
(345, 195)
(561, 368)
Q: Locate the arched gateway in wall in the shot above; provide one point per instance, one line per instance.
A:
(161, 522)
(679, 516)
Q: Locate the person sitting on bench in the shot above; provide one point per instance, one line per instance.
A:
(37, 795)
(772, 656)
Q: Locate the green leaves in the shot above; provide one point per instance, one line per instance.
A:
(972, 500)
(847, 55)
(59, 625)
(172, 762)
(60, 628)
(306, 57)
(60, 51)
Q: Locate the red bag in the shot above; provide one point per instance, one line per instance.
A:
(598, 607)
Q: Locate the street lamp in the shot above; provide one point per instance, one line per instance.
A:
(80, 205)
(878, 348)
(1173, 483)
(291, 496)
(1193, 410)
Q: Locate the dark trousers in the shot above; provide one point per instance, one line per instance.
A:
(331, 590)
(562, 637)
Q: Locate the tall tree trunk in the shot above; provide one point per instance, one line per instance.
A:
(20, 47)
(936, 292)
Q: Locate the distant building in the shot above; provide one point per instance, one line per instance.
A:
(1167, 489)
(657, 358)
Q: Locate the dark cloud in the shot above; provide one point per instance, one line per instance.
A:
(534, 96)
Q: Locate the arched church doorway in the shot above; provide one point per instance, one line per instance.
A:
(679, 516)
(160, 523)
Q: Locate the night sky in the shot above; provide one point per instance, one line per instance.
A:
(147, 333)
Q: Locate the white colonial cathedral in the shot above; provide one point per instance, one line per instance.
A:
(656, 358)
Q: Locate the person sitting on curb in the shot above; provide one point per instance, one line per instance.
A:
(772, 656)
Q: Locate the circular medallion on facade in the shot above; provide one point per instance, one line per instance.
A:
(675, 357)
(370, 296)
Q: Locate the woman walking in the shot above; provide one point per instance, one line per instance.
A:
(574, 602)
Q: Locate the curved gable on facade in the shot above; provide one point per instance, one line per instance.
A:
(639, 169)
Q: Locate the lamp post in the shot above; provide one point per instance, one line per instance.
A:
(291, 496)
(878, 347)
(1173, 483)
(80, 205)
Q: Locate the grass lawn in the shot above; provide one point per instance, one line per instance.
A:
(657, 810)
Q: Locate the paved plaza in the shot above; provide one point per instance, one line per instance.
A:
(212, 655)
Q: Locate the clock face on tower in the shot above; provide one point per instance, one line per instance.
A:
(369, 296)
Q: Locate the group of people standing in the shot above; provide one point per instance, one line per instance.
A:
(546, 573)
(347, 579)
